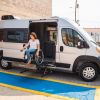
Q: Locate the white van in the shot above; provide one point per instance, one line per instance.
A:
(63, 43)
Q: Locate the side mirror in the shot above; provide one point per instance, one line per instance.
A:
(82, 44)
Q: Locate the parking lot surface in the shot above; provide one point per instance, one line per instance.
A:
(65, 77)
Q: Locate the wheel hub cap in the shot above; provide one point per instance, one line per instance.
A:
(4, 63)
(88, 72)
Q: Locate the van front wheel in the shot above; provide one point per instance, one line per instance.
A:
(5, 65)
(88, 72)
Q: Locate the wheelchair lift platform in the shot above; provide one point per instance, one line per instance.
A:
(45, 68)
(23, 65)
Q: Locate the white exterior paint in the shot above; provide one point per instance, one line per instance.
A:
(69, 54)
(14, 24)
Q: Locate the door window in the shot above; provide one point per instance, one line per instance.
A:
(53, 36)
(16, 36)
(70, 37)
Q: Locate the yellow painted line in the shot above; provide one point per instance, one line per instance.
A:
(37, 92)
(97, 94)
(49, 79)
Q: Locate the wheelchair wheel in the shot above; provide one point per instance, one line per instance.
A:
(39, 59)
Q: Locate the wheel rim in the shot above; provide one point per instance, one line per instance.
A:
(39, 60)
(4, 63)
(88, 73)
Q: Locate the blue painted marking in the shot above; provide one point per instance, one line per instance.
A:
(60, 89)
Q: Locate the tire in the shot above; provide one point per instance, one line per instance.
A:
(88, 72)
(5, 65)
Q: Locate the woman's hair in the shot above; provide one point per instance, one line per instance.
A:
(34, 35)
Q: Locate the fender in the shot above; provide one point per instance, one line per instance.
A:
(84, 59)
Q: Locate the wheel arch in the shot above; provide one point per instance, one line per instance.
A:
(85, 59)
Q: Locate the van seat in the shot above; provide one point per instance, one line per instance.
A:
(49, 49)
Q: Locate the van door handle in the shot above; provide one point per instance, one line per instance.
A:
(61, 48)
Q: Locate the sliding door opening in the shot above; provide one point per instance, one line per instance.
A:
(47, 34)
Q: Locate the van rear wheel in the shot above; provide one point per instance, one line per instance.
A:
(88, 72)
(5, 65)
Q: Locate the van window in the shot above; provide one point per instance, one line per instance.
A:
(53, 36)
(15, 36)
(70, 37)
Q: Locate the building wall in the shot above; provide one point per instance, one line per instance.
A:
(94, 32)
(26, 8)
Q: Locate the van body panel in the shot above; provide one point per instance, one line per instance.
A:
(10, 47)
(92, 50)
(12, 50)
(44, 20)
(64, 54)
(69, 54)
(57, 54)
(14, 24)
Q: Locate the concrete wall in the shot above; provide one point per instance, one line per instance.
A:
(26, 8)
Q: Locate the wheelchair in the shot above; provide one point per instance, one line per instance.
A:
(38, 60)
(41, 64)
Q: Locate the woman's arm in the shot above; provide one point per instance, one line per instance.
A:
(26, 45)
(38, 47)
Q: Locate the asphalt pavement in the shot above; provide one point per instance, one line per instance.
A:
(61, 76)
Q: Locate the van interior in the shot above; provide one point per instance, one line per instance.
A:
(47, 34)
(1, 35)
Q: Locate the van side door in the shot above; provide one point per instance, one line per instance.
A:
(13, 40)
(69, 51)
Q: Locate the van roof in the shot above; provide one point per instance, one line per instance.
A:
(23, 23)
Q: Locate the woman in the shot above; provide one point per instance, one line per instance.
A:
(34, 47)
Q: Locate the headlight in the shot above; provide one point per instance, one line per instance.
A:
(98, 49)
